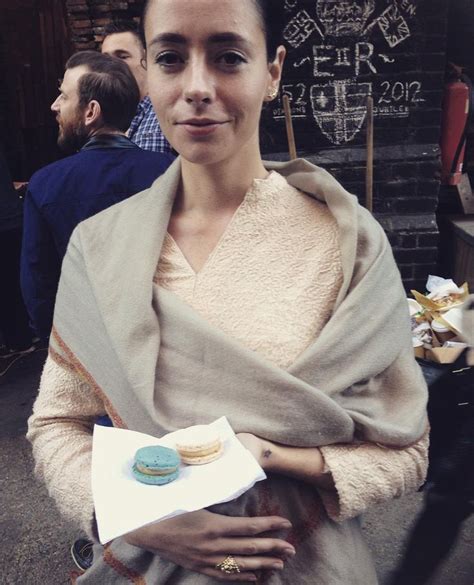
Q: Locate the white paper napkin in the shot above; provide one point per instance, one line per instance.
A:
(123, 504)
(454, 317)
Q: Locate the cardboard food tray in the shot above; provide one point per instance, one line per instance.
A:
(443, 355)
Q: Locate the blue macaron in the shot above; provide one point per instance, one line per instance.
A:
(156, 465)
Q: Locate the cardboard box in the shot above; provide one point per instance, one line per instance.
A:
(443, 355)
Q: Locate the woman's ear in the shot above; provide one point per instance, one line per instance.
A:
(275, 68)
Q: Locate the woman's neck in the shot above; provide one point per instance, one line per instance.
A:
(209, 189)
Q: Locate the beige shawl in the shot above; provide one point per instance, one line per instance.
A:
(358, 381)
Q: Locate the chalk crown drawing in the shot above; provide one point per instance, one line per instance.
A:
(344, 17)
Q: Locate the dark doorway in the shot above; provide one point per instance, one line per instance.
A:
(34, 45)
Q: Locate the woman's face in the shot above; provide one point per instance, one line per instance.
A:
(208, 75)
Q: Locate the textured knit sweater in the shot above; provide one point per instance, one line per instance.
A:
(270, 283)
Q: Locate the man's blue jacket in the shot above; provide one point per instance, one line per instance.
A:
(105, 171)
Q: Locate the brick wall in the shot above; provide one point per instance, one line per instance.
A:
(341, 51)
(88, 17)
(405, 200)
(393, 50)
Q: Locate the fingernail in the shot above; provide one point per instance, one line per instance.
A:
(277, 566)
(285, 524)
(290, 552)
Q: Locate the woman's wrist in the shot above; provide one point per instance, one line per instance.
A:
(273, 457)
(303, 463)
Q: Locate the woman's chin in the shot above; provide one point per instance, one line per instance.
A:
(203, 154)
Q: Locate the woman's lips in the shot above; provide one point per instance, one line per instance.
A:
(201, 127)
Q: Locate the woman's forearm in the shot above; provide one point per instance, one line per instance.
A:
(304, 464)
(60, 430)
(359, 475)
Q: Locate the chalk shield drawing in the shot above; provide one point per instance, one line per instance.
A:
(340, 108)
(331, 41)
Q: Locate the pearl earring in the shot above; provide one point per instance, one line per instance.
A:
(272, 93)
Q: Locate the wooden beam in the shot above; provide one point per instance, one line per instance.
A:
(289, 128)
(369, 170)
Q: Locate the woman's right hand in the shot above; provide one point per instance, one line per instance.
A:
(199, 541)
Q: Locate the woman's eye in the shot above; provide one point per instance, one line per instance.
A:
(168, 59)
(232, 59)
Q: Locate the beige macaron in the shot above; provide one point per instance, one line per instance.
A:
(198, 445)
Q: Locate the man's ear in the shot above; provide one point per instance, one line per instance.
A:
(92, 113)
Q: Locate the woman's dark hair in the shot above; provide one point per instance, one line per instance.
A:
(271, 13)
(111, 83)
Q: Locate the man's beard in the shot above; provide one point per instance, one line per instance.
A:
(72, 137)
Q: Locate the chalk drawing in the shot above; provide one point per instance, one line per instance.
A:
(397, 97)
(339, 107)
(322, 54)
(301, 62)
(336, 40)
(408, 7)
(344, 17)
(386, 58)
(363, 56)
(296, 92)
(393, 26)
(343, 54)
(357, 58)
(300, 28)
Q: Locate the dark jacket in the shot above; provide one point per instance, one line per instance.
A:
(10, 204)
(107, 170)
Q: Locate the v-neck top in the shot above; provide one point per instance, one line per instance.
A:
(272, 280)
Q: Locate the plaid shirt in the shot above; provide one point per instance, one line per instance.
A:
(145, 129)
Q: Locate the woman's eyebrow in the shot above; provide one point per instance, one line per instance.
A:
(227, 37)
(215, 39)
(168, 38)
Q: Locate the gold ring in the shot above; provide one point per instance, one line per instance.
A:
(229, 565)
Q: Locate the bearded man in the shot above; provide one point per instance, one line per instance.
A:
(97, 100)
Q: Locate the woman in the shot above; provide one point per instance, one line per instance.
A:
(231, 289)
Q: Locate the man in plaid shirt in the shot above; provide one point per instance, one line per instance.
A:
(122, 40)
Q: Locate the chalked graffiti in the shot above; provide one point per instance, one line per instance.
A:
(300, 28)
(339, 48)
(393, 26)
(329, 100)
(344, 17)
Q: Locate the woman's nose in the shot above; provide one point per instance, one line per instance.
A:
(199, 84)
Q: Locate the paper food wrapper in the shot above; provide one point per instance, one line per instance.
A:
(448, 301)
(123, 504)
